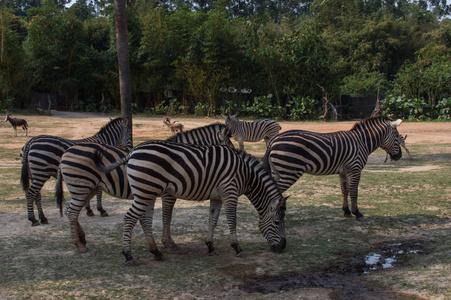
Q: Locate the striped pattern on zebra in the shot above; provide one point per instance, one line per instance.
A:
(191, 172)
(82, 178)
(292, 153)
(213, 134)
(41, 156)
(251, 131)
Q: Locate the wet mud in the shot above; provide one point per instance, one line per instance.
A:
(347, 278)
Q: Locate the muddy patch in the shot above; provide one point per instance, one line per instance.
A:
(346, 279)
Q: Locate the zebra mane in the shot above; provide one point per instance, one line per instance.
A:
(111, 123)
(257, 164)
(361, 124)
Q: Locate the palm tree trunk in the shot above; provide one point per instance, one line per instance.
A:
(123, 61)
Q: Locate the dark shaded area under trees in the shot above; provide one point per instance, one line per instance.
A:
(258, 58)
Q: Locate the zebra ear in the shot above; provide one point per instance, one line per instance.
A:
(396, 123)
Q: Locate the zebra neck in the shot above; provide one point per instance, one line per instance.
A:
(372, 136)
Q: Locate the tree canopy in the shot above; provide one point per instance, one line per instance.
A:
(222, 53)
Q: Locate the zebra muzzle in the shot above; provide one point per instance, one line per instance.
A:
(279, 247)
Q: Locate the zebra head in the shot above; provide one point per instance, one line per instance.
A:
(272, 225)
(224, 136)
(392, 141)
(119, 131)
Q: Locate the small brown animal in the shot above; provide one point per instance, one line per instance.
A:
(173, 125)
(402, 142)
(17, 122)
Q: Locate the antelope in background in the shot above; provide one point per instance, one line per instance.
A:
(17, 122)
(173, 125)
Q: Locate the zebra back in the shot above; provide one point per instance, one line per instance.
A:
(214, 134)
(251, 131)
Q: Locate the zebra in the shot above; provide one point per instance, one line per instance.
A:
(41, 156)
(83, 179)
(251, 131)
(292, 153)
(193, 172)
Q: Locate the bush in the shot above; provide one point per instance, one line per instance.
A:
(444, 109)
(201, 109)
(304, 108)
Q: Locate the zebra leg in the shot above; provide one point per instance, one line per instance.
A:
(168, 206)
(31, 195)
(345, 192)
(230, 207)
(215, 209)
(142, 209)
(78, 235)
(241, 143)
(89, 211)
(41, 212)
(103, 212)
(146, 223)
(354, 180)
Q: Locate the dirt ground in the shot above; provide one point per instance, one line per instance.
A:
(82, 125)
(86, 124)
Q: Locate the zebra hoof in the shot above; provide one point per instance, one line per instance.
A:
(82, 250)
(360, 219)
(159, 257)
(35, 224)
(242, 254)
(130, 263)
(90, 214)
(45, 221)
(104, 214)
(213, 253)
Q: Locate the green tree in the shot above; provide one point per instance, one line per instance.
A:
(13, 74)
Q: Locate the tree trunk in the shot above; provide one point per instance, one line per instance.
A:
(3, 33)
(123, 61)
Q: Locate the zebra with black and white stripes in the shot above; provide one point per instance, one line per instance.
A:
(251, 131)
(41, 156)
(83, 179)
(292, 153)
(192, 172)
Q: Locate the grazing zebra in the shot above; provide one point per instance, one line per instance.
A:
(402, 142)
(251, 131)
(192, 172)
(295, 152)
(41, 156)
(83, 179)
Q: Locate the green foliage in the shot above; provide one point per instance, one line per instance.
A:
(428, 77)
(199, 48)
(416, 109)
(358, 84)
(304, 108)
(444, 109)
(201, 109)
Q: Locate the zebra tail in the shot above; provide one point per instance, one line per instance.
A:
(269, 166)
(97, 158)
(24, 176)
(59, 194)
